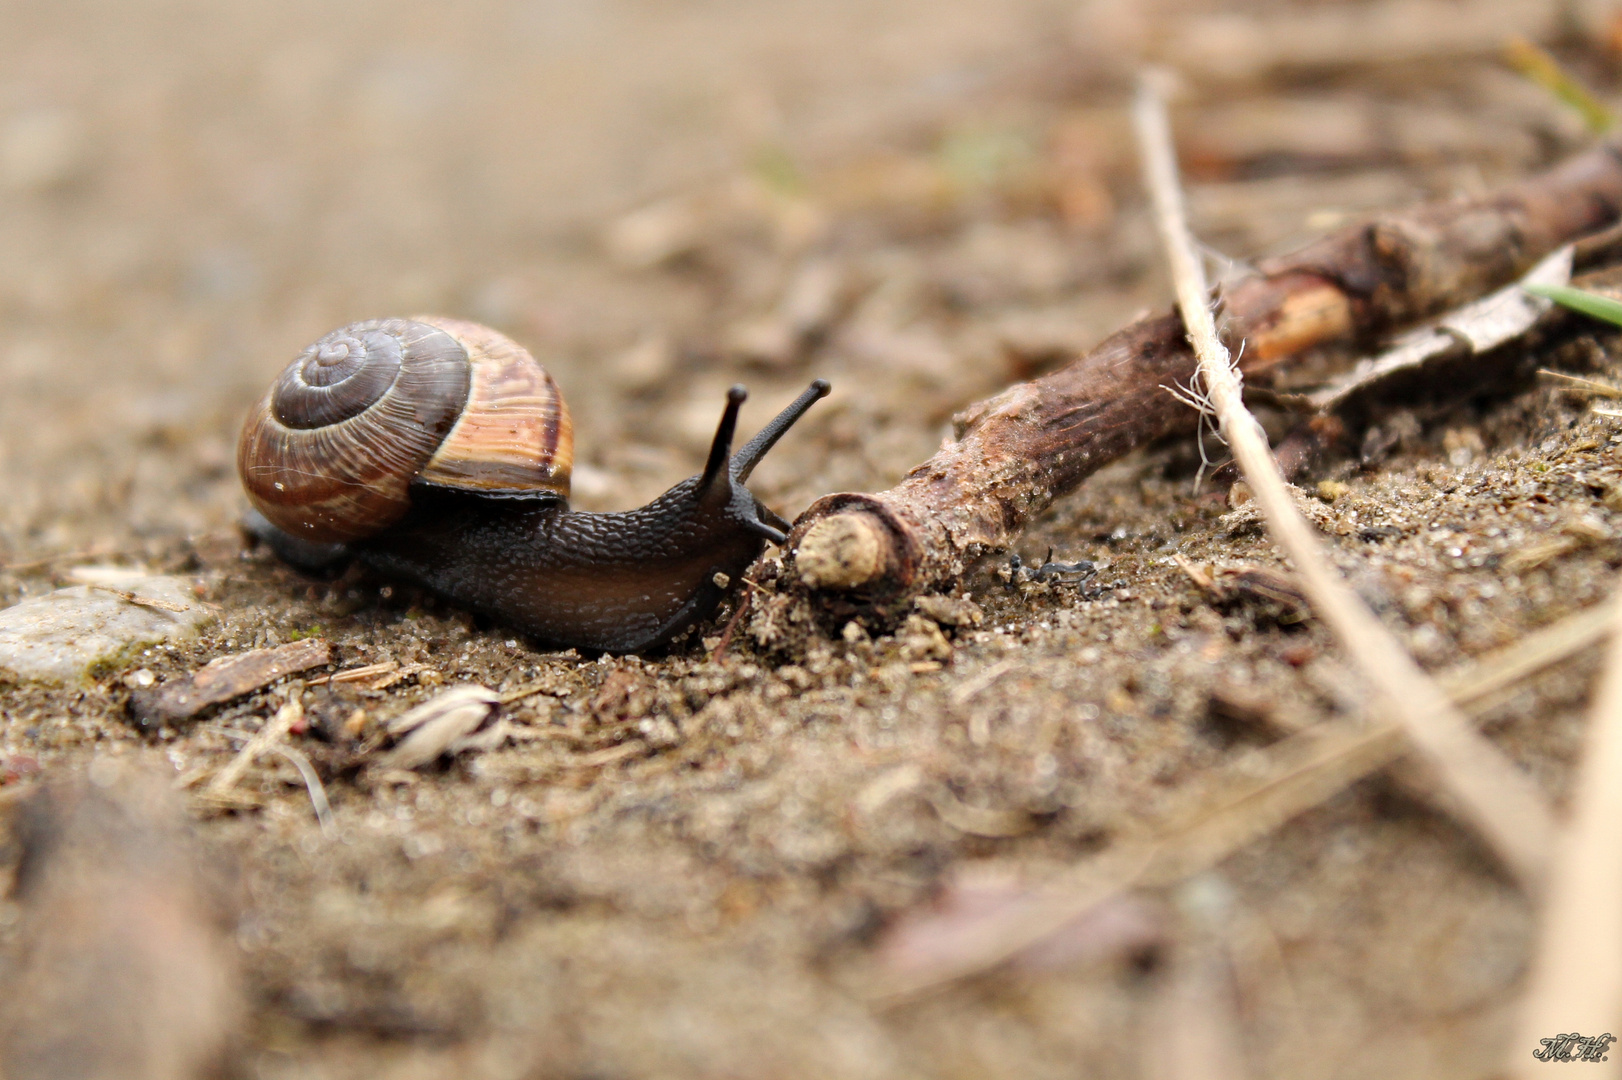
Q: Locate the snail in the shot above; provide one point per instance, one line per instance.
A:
(438, 451)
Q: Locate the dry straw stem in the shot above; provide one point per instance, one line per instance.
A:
(1578, 384)
(275, 730)
(312, 785)
(1479, 684)
(349, 675)
(1576, 982)
(1270, 788)
(1493, 796)
(1259, 795)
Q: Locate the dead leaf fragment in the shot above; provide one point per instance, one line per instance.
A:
(934, 935)
(432, 728)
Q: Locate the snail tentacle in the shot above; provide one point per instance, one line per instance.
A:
(755, 449)
(715, 482)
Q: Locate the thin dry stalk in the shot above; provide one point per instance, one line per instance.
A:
(1477, 683)
(530, 690)
(349, 675)
(1578, 384)
(275, 730)
(1497, 799)
(1576, 983)
(1288, 778)
(312, 785)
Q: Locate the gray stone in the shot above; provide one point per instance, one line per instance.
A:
(74, 634)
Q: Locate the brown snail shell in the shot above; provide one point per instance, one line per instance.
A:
(331, 451)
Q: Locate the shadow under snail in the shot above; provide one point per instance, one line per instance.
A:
(438, 451)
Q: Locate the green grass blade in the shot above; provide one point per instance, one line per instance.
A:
(1536, 64)
(1592, 304)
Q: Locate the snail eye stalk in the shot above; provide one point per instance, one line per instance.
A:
(714, 480)
(755, 449)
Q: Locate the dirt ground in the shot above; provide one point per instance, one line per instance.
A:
(694, 864)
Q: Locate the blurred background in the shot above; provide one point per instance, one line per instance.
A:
(660, 199)
(192, 192)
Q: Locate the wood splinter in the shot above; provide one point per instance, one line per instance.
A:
(1015, 453)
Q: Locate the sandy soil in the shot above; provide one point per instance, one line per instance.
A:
(692, 865)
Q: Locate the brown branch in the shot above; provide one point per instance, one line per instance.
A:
(1036, 441)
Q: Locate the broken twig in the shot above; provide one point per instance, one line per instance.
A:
(1472, 330)
(1015, 453)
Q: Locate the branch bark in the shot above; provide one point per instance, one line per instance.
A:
(1018, 451)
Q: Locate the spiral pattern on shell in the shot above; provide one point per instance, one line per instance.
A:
(332, 450)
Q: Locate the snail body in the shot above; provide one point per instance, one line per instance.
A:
(439, 452)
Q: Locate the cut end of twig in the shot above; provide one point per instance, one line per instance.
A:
(843, 551)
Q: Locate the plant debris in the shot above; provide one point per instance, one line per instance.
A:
(225, 679)
(443, 724)
(980, 827)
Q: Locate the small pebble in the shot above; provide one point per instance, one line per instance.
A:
(42, 149)
(1330, 490)
(70, 635)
